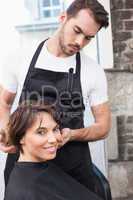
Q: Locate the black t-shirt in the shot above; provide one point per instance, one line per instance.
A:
(44, 181)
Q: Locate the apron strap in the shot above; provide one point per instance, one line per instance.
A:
(33, 62)
(78, 64)
(36, 54)
(70, 74)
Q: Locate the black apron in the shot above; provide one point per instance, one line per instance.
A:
(64, 91)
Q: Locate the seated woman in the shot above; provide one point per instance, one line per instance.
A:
(34, 129)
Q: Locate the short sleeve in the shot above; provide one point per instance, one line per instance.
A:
(9, 71)
(98, 93)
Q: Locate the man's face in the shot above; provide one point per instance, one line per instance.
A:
(77, 32)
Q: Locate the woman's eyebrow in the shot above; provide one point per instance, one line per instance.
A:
(56, 126)
(40, 124)
(45, 128)
(41, 127)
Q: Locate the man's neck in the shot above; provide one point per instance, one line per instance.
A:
(54, 48)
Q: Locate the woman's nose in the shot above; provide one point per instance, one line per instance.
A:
(52, 138)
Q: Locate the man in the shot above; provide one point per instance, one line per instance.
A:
(63, 75)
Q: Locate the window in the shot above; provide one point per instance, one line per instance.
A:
(49, 9)
(42, 15)
(105, 46)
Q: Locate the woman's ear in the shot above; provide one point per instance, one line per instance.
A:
(22, 141)
(63, 17)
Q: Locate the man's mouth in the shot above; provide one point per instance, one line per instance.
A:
(75, 48)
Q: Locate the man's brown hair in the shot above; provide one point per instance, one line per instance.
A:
(98, 12)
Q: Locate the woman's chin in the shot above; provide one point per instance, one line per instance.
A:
(50, 157)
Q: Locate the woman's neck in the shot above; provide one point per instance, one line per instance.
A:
(23, 158)
(27, 158)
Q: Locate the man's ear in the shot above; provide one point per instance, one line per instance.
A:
(63, 17)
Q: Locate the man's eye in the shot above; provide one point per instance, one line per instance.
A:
(88, 38)
(76, 31)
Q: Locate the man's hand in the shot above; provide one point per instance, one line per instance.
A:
(6, 148)
(66, 136)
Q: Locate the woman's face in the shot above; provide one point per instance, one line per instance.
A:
(40, 142)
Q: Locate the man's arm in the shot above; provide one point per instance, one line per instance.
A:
(99, 129)
(6, 100)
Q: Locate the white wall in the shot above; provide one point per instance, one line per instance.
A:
(8, 37)
(101, 48)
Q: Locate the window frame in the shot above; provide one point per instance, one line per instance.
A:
(50, 8)
(100, 49)
(104, 42)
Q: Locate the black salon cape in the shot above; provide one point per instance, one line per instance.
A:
(44, 181)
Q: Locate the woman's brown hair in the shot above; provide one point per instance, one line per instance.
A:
(23, 118)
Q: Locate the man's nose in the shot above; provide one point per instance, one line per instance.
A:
(79, 41)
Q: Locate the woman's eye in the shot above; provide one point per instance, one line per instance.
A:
(41, 132)
(56, 130)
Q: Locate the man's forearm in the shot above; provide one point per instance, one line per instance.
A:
(4, 117)
(92, 133)
(6, 100)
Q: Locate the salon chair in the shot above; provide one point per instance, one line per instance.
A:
(101, 184)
